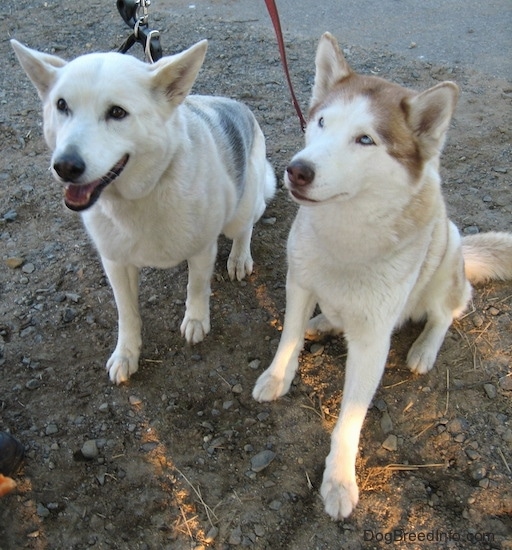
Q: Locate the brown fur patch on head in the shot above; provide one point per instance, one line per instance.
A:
(388, 102)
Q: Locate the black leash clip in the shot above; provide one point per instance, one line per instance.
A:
(150, 39)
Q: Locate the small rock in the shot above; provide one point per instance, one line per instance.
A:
(103, 407)
(33, 384)
(506, 383)
(472, 454)
(10, 216)
(237, 388)
(90, 449)
(14, 263)
(490, 390)
(275, 505)
(42, 511)
(28, 268)
(457, 426)
(478, 472)
(254, 364)
(316, 349)
(211, 535)
(134, 400)
(390, 443)
(386, 423)
(51, 429)
(235, 537)
(260, 461)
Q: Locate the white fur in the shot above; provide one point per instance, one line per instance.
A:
(180, 188)
(371, 245)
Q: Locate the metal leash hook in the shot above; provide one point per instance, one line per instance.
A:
(149, 39)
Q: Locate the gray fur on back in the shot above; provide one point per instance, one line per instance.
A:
(232, 125)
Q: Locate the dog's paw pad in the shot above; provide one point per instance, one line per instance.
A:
(340, 499)
(193, 330)
(269, 387)
(120, 368)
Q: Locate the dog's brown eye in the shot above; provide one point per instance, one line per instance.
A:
(116, 112)
(365, 140)
(62, 106)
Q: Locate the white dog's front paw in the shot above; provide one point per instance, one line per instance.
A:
(121, 366)
(269, 387)
(421, 358)
(239, 266)
(340, 497)
(194, 330)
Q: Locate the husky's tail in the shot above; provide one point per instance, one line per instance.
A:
(488, 256)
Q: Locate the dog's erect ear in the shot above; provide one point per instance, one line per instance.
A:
(331, 67)
(429, 115)
(40, 67)
(174, 75)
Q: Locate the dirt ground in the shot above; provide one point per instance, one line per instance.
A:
(173, 448)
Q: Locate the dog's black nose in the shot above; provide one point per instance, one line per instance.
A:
(300, 172)
(69, 165)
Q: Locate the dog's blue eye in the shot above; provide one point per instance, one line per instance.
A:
(365, 140)
(62, 106)
(321, 122)
(116, 112)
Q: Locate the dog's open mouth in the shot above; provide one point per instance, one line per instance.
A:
(80, 196)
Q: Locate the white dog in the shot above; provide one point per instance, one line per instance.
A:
(157, 174)
(371, 243)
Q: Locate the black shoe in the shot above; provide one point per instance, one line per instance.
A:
(11, 454)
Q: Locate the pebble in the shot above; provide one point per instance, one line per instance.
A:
(42, 511)
(90, 449)
(51, 429)
(390, 443)
(237, 388)
(14, 263)
(506, 383)
(28, 268)
(134, 400)
(386, 423)
(457, 426)
(33, 384)
(275, 505)
(254, 364)
(478, 472)
(260, 461)
(235, 537)
(490, 390)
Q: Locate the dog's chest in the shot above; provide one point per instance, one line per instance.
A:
(148, 244)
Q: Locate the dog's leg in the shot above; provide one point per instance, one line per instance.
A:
(240, 261)
(276, 380)
(365, 364)
(423, 352)
(196, 323)
(124, 280)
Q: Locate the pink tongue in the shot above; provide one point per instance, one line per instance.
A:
(79, 195)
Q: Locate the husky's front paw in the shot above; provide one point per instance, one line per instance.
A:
(340, 497)
(194, 330)
(121, 366)
(320, 325)
(269, 387)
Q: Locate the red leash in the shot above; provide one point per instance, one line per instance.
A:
(274, 16)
